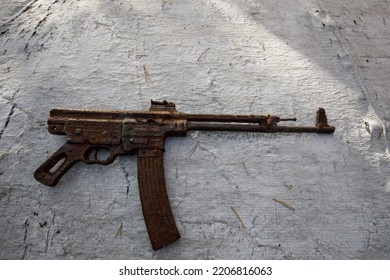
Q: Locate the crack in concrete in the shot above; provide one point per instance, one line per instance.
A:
(32, 26)
(39, 24)
(10, 113)
(128, 181)
(22, 11)
(47, 241)
(25, 239)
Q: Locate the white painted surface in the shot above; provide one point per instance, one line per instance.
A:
(280, 57)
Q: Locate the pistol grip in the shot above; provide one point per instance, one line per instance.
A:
(156, 209)
(51, 171)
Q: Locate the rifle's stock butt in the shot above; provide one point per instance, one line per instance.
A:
(156, 208)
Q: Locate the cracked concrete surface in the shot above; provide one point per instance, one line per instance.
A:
(212, 56)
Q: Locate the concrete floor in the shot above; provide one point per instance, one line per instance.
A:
(244, 57)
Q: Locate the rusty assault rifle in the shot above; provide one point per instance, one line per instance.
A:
(98, 137)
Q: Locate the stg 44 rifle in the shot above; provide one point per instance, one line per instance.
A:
(98, 137)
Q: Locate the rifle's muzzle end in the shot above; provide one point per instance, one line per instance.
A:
(322, 122)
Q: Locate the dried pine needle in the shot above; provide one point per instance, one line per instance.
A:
(246, 170)
(203, 53)
(119, 232)
(146, 73)
(284, 204)
(287, 185)
(238, 217)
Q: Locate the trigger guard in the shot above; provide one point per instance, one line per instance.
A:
(99, 155)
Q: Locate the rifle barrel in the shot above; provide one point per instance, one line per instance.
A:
(233, 118)
(248, 128)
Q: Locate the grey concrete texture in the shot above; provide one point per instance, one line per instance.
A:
(285, 58)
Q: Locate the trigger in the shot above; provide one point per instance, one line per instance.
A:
(97, 154)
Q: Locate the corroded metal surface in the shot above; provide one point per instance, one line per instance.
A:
(98, 137)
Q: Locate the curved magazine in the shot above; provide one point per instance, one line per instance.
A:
(159, 220)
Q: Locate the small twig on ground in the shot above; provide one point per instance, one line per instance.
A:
(287, 185)
(146, 73)
(246, 170)
(238, 217)
(202, 53)
(119, 232)
(284, 204)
